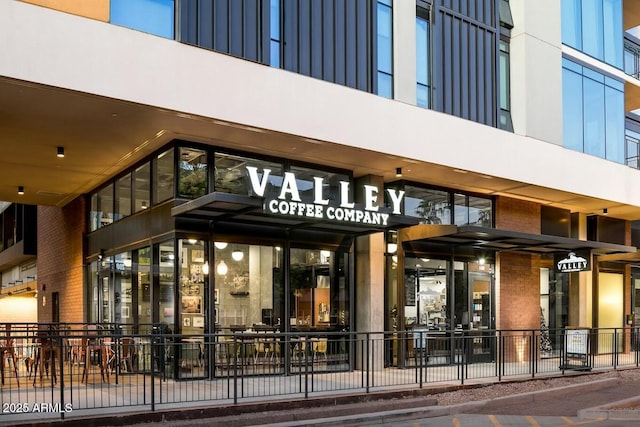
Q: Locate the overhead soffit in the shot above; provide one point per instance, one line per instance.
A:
(103, 137)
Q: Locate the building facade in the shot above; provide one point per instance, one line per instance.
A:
(328, 166)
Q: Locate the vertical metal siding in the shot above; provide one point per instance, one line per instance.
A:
(465, 44)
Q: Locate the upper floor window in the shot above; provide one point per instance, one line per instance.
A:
(193, 176)
(423, 55)
(231, 173)
(275, 37)
(595, 28)
(504, 89)
(434, 206)
(151, 16)
(592, 112)
(385, 49)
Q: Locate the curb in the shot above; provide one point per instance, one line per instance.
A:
(613, 411)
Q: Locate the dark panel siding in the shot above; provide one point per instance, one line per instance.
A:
(332, 40)
(465, 45)
(237, 27)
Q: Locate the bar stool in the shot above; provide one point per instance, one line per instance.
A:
(8, 352)
(46, 352)
(94, 354)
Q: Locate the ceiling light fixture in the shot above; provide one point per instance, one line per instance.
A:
(20, 190)
(237, 255)
(222, 268)
(398, 172)
(220, 245)
(60, 152)
(605, 211)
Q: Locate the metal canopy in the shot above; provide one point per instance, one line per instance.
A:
(239, 209)
(470, 239)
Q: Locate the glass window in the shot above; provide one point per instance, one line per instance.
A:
(318, 290)
(461, 209)
(193, 174)
(385, 50)
(93, 213)
(193, 287)
(422, 58)
(232, 176)
(123, 289)
(594, 124)
(505, 87)
(143, 293)
(572, 127)
(613, 32)
(166, 287)
(123, 197)
(331, 183)
(249, 286)
(614, 101)
(105, 206)
(142, 187)
(274, 24)
(151, 16)
(426, 299)
(480, 212)
(592, 28)
(572, 23)
(632, 150)
(164, 176)
(432, 206)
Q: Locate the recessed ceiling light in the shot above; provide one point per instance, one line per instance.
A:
(60, 152)
(20, 190)
(460, 171)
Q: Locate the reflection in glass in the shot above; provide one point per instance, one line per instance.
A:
(193, 175)
(123, 197)
(232, 177)
(142, 187)
(164, 176)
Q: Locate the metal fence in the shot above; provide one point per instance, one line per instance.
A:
(57, 371)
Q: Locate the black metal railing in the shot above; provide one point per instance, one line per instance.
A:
(59, 370)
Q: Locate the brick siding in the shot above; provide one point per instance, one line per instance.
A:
(60, 260)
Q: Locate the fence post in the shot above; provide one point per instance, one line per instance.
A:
(236, 350)
(62, 351)
(614, 353)
(500, 356)
(533, 353)
(367, 356)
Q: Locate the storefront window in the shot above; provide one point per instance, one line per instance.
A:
(193, 175)
(425, 282)
(166, 288)
(123, 289)
(143, 291)
(554, 310)
(318, 291)
(232, 177)
(248, 286)
(193, 272)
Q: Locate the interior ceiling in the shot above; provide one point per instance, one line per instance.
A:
(103, 136)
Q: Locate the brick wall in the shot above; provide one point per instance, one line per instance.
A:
(60, 260)
(518, 287)
(517, 215)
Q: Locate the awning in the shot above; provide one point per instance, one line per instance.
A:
(239, 209)
(468, 239)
